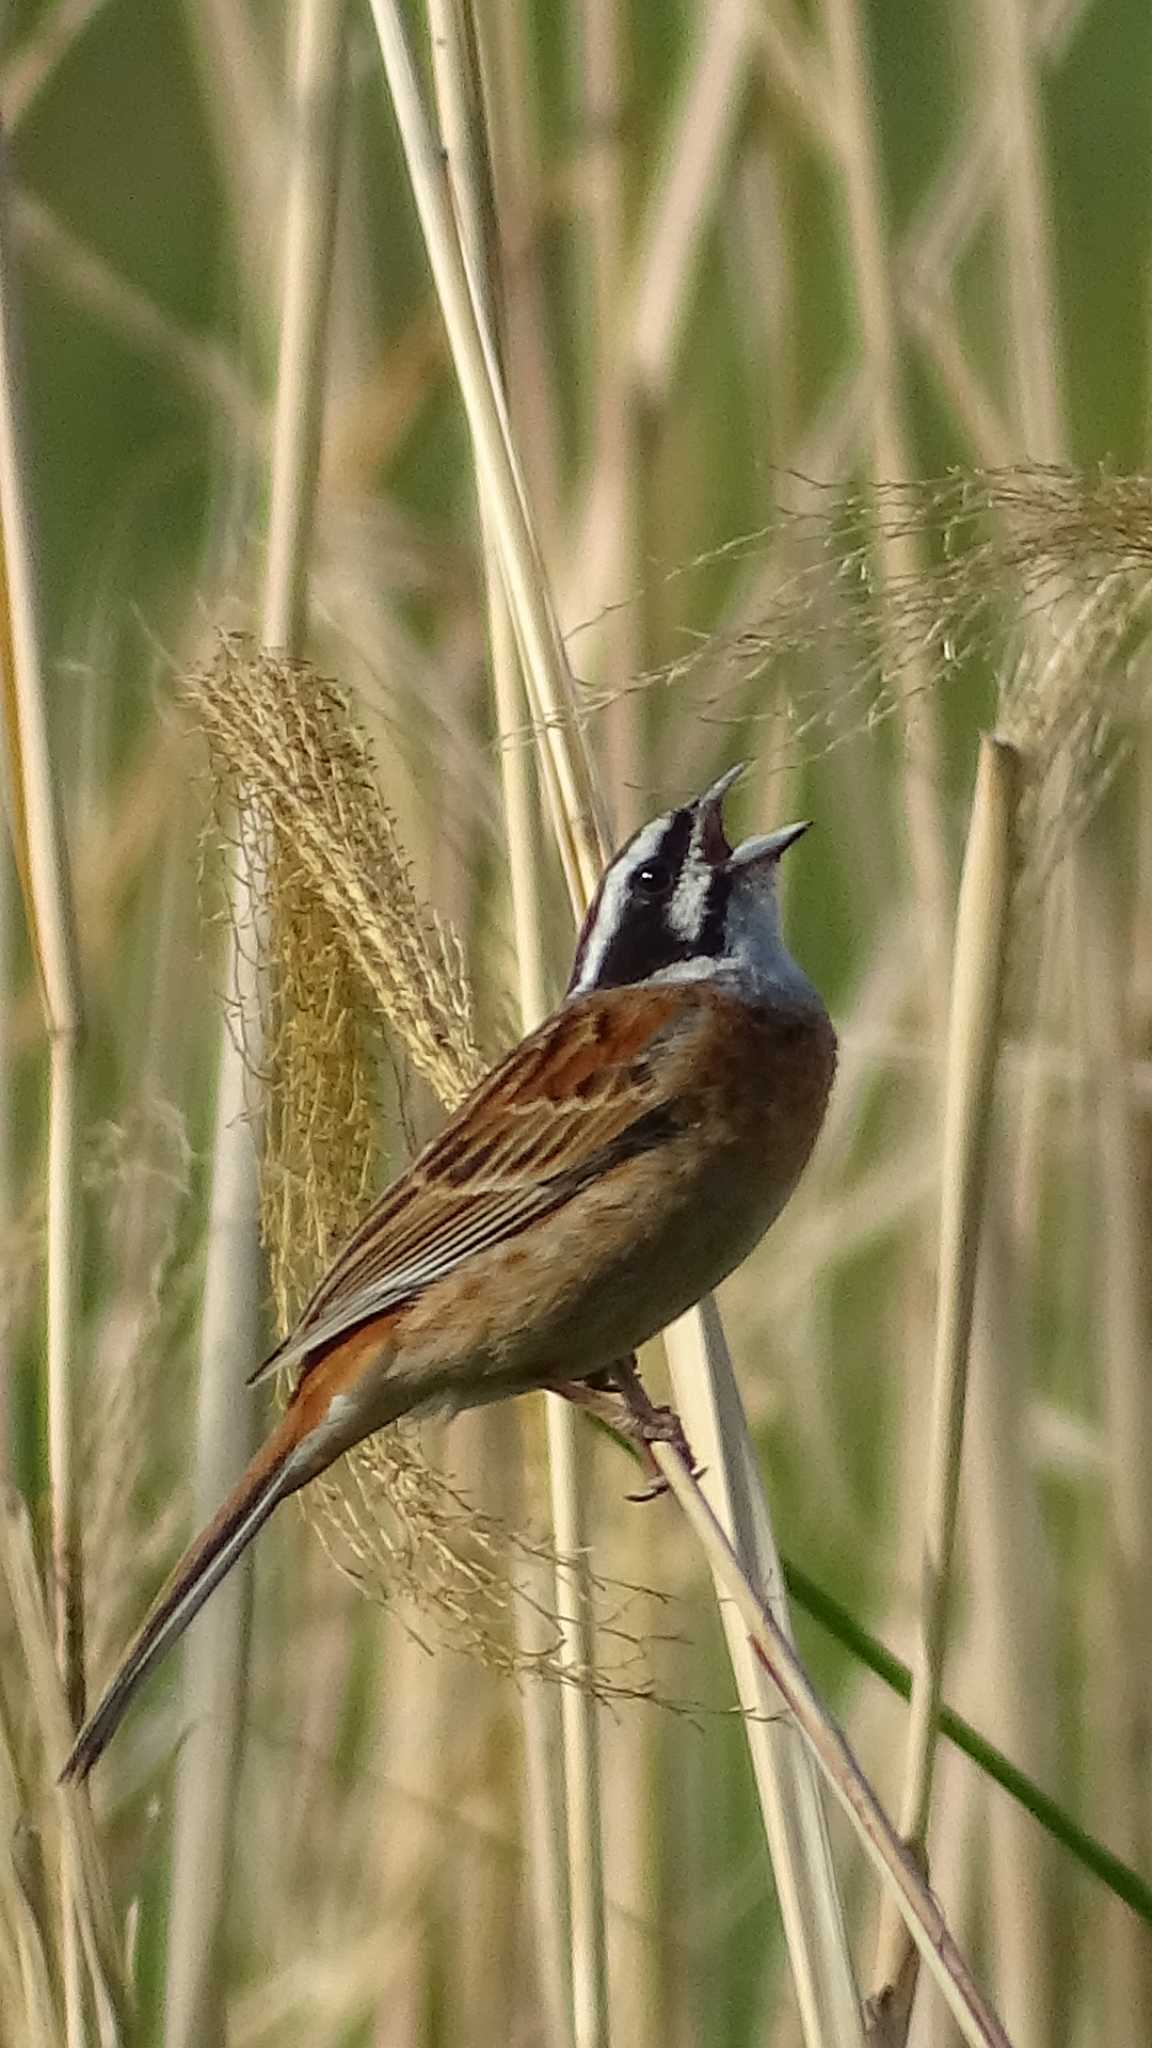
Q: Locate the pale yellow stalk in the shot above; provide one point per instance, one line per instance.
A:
(42, 863)
(215, 1657)
(975, 2018)
(973, 1047)
(576, 2000)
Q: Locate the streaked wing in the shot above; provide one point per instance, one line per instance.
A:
(580, 1094)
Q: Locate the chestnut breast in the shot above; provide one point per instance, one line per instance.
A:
(735, 1093)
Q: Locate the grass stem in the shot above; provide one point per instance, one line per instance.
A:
(973, 1045)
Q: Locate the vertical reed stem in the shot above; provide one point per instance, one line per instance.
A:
(215, 1656)
(586, 1988)
(979, 966)
(42, 863)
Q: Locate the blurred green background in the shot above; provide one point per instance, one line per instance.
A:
(753, 254)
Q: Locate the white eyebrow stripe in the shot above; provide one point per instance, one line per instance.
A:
(613, 896)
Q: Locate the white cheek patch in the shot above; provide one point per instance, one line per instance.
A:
(689, 900)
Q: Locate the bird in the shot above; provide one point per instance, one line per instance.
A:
(611, 1170)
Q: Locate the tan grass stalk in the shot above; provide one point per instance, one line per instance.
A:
(242, 108)
(86, 1894)
(1012, 92)
(547, 1837)
(215, 1658)
(585, 1982)
(42, 864)
(501, 488)
(1119, 1181)
(1011, 1616)
(41, 858)
(686, 192)
(604, 565)
(973, 1045)
(545, 1821)
(708, 1401)
(517, 135)
(1014, 1608)
(978, 2023)
(870, 256)
(316, 139)
(30, 1977)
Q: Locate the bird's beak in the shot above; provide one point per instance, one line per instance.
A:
(768, 847)
(709, 806)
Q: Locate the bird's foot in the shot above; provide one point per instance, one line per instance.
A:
(617, 1397)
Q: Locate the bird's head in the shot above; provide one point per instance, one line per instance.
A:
(679, 903)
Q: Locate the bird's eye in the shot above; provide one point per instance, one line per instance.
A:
(653, 880)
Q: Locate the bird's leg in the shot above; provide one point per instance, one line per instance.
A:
(617, 1397)
(650, 1423)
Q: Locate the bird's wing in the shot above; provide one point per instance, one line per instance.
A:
(584, 1092)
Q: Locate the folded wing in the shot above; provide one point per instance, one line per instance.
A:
(584, 1092)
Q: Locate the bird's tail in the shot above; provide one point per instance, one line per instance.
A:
(266, 1482)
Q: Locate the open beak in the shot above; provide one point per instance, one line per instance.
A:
(768, 847)
(710, 808)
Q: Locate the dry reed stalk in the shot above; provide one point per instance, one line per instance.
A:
(870, 257)
(796, 72)
(998, 159)
(1119, 1181)
(977, 1000)
(1062, 705)
(569, 1914)
(85, 1907)
(30, 1974)
(243, 108)
(605, 562)
(139, 1174)
(42, 864)
(958, 1865)
(685, 193)
(501, 488)
(1028, 277)
(708, 1401)
(32, 64)
(516, 126)
(977, 2021)
(1012, 1628)
(1008, 1626)
(215, 1660)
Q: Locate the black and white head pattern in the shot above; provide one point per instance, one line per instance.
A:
(662, 901)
